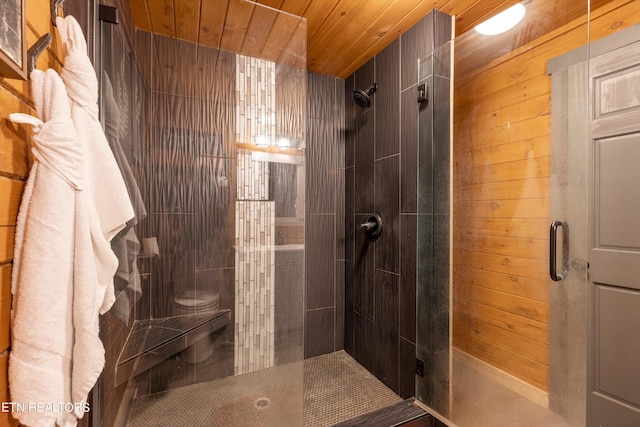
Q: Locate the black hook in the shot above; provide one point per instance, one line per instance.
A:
(43, 42)
(34, 51)
(55, 5)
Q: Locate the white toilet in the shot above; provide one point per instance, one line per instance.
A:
(192, 302)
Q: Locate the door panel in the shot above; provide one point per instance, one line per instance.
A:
(617, 213)
(618, 320)
(614, 371)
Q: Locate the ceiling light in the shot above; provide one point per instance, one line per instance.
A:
(502, 22)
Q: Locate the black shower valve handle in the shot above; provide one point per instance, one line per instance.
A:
(368, 225)
(373, 225)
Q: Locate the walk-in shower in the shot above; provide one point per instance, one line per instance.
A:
(255, 278)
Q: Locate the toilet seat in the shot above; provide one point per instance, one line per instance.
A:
(194, 302)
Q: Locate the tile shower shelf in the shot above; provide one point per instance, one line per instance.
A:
(152, 341)
(276, 248)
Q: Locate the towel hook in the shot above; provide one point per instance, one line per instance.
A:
(34, 51)
(55, 5)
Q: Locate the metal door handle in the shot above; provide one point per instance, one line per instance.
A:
(553, 249)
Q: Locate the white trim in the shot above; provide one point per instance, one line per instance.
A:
(524, 389)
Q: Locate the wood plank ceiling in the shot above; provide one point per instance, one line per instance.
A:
(341, 34)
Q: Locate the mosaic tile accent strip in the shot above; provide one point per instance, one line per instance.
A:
(254, 286)
(253, 177)
(255, 100)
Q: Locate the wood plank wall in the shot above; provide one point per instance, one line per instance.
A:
(502, 142)
(15, 161)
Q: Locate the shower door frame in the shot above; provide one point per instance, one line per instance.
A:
(568, 299)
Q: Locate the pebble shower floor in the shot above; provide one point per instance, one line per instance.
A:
(320, 391)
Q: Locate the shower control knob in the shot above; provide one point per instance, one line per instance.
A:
(373, 225)
(369, 225)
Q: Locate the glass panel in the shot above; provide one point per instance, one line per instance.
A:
(210, 287)
(518, 338)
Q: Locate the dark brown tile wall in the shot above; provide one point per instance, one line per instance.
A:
(289, 309)
(325, 224)
(433, 287)
(414, 44)
(189, 182)
(386, 330)
(409, 150)
(363, 271)
(387, 75)
(320, 261)
(403, 175)
(387, 205)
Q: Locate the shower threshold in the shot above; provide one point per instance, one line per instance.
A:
(153, 341)
(401, 414)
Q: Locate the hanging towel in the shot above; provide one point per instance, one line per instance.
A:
(43, 278)
(103, 181)
(106, 193)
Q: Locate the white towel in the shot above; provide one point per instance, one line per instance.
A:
(103, 180)
(62, 264)
(105, 191)
(43, 278)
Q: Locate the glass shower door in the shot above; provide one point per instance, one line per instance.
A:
(518, 338)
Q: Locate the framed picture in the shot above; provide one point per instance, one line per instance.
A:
(13, 46)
